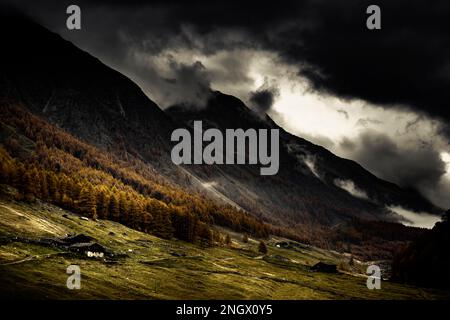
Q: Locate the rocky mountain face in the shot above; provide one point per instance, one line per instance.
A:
(70, 88)
(75, 91)
(312, 185)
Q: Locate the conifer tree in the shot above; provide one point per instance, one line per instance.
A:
(35, 182)
(102, 204)
(87, 202)
(262, 248)
(5, 169)
(161, 225)
(205, 235)
(67, 202)
(113, 208)
(185, 225)
(27, 188)
(228, 240)
(62, 188)
(52, 185)
(146, 222)
(124, 208)
(43, 185)
(137, 215)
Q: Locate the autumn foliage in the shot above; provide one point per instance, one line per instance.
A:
(44, 162)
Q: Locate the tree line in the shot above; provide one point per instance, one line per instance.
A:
(59, 169)
(44, 162)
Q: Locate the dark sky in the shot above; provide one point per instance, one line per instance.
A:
(408, 61)
(403, 66)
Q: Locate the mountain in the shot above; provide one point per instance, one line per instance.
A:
(75, 91)
(100, 108)
(312, 185)
(426, 261)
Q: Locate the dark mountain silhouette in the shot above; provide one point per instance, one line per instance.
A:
(75, 91)
(426, 261)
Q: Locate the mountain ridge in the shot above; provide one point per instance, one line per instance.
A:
(103, 107)
(223, 111)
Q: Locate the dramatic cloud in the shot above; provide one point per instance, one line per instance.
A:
(407, 62)
(168, 80)
(415, 165)
(310, 162)
(416, 219)
(406, 166)
(263, 99)
(189, 84)
(350, 187)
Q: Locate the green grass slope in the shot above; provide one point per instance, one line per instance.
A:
(148, 267)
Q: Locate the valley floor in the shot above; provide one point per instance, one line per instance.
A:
(147, 267)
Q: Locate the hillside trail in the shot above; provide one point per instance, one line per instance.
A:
(29, 221)
(30, 258)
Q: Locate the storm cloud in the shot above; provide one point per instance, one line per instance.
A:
(406, 63)
(415, 165)
(264, 97)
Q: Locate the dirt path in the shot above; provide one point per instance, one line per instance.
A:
(36, 257)
(28, 222)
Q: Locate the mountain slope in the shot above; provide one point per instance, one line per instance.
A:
(311, 185)
(148, 267)
(76, 92)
